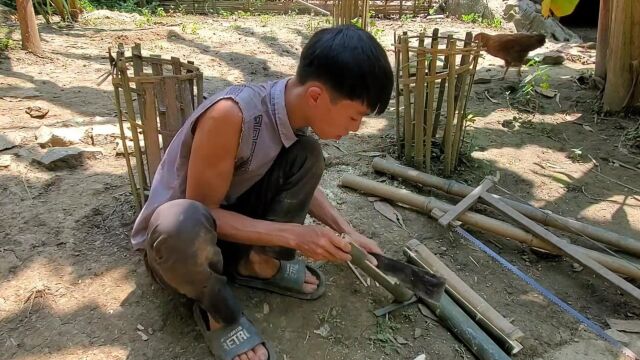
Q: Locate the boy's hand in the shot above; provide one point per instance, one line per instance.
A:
(321, 243)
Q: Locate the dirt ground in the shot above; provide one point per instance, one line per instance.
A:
(72, 288)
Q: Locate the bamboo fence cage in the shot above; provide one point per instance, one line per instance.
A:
(344, 11)
(152, 104)
(433, 82)
(381, 8)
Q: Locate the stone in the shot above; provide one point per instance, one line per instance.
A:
(8, 262)
(526, 17)
(482, 80)
(60, 137)
(5, 160)
(130, 147)
(8, 141)
(66, 158)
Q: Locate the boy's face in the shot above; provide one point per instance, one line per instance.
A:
(333, 118)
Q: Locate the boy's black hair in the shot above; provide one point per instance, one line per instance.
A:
(351, 63)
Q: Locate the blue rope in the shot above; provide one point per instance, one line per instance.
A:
(546, 293)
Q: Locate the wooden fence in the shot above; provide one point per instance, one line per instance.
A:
(382, 8)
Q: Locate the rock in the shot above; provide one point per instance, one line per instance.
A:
(482, 80)
(7, 141)
(323, 331)
(5, 160)
(526, 17)
(576, 267)
(8, 261)
(150, 330)
(143, 335)
(546, 92)
(400, 340)
(590, 45)
(60, 137)
(140, 327)
(417, 333)
(66, 158)
(265, 308)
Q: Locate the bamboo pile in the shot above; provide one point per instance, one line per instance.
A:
(154, 101)
(433, 82)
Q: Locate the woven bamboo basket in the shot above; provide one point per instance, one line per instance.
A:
(153, 101)
(434, 76)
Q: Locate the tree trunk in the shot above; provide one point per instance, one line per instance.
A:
(603, 38)
(75, 10)
(623, 56)
(28, 27)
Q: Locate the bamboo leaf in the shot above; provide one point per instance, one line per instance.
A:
(389, 212)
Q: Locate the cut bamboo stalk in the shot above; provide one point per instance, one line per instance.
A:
(150, 126)
(451, 109)
(406, 94)
(476, 307)
(418, 100)
(433, 64)
(484, 223)
(626, 244)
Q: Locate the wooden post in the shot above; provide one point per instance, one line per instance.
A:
(621, 88)
(29, 27)
(603, 38)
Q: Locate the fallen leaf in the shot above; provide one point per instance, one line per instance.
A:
(546, 92)
(588, 128)
(389, 212)
(618, 336)
(421, 357)
(371, 153)
(401, 340)
(427, 312)
(323, 331)
(632, 326)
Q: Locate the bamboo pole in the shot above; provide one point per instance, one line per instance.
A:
(484, 223)
(461, 99)
(451, 108)
(418, 100)
(441, 89)
(396, 52)
(626, 244)
(433, 63)
(602, 43)
(478, 309)
(406, 96)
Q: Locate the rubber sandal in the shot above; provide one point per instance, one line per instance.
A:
(288, 281)
(232, 340)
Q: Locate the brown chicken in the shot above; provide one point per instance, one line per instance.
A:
(512, 48)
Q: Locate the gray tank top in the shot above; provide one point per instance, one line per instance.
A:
(265, 130)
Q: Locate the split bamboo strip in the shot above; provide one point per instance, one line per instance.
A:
(396, 52)
(406, 93)
(433, 64)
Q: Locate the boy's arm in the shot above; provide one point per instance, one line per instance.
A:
(322, 210)
(210, 170)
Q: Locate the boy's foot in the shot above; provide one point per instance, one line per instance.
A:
(259, 352)
(262, 266)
